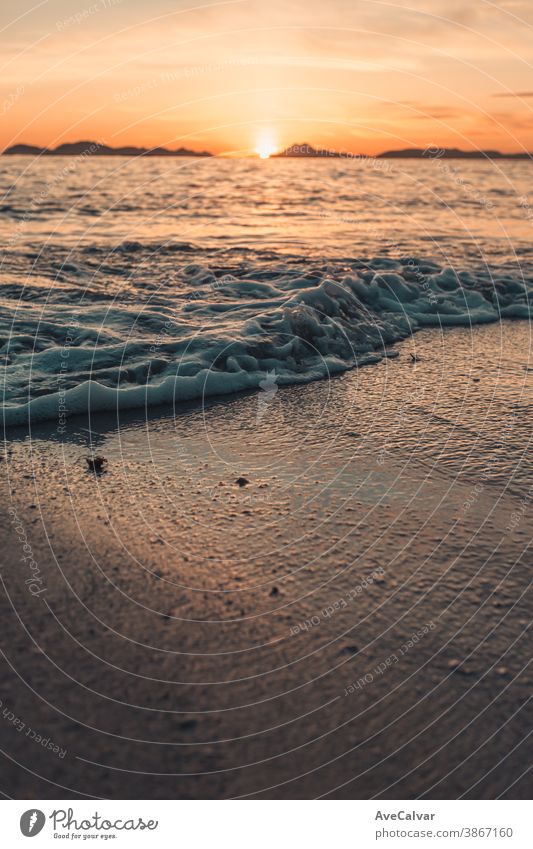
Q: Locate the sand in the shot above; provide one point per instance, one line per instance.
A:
(349, 623)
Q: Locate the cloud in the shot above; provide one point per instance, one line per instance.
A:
(338, 63)
(513, 94)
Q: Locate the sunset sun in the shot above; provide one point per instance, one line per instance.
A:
(265, 143)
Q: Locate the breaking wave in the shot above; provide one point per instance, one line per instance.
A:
(204, 329)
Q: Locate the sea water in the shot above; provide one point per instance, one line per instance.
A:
(128, 283)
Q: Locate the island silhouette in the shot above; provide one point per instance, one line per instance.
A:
(95, 148)
(306, 150)
(302, 150)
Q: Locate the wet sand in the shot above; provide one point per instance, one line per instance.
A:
(351, 622)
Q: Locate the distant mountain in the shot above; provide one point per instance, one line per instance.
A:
(307, 150)
(24, 150)
(295, 151)
(91, 148)
(433, 152)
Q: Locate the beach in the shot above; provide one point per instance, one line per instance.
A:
(266, 370)
(320, 590)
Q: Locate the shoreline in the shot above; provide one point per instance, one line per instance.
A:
(166, 654)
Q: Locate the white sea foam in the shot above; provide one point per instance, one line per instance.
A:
(210, 333)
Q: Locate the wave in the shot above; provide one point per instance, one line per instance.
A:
(204, 333)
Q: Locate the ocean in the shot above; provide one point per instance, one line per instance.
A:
(131, 283)
(314, 588)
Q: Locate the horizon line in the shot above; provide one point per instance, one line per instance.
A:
(298, 150)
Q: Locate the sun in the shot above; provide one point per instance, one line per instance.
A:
(265, 143)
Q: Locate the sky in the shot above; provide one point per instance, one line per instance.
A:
(241, 76)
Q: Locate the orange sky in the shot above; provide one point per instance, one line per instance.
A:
(359, 75)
